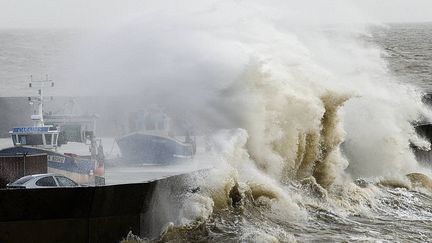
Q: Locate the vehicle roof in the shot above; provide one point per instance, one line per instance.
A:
(41, 175)
(37, 175)
(34, 176)
(45, 174)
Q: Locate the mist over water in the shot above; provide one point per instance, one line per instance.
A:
(307, 108)
(282, 77)
(308, 129)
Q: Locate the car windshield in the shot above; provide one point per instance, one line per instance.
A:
(22, 180)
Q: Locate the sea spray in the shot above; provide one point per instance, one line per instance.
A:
(330, 164)
(287, 104)
(266, 75)
(175, 202)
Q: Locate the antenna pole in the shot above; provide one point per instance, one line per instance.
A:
(38, 118)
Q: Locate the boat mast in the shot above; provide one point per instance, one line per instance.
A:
(39, 84)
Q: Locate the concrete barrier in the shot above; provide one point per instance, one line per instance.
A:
(84, 214)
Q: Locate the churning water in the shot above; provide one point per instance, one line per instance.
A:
(312, 164)
(308, 126)
(315, 160)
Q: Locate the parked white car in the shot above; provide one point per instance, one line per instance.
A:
(43, 181)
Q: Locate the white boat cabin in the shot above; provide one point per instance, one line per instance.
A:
(43, 136)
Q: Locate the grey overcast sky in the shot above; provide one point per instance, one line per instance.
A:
(85, 13)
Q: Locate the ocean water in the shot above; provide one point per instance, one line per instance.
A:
(408, 51)
(314, 126)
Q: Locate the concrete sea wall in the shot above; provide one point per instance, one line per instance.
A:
(84, 214)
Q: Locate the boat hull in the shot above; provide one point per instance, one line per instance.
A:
(141, 148)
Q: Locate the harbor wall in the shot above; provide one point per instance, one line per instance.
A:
(83, 214)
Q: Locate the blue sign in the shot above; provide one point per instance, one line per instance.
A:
(30, 129)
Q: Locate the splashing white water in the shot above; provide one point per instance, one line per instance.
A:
(290, 91)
